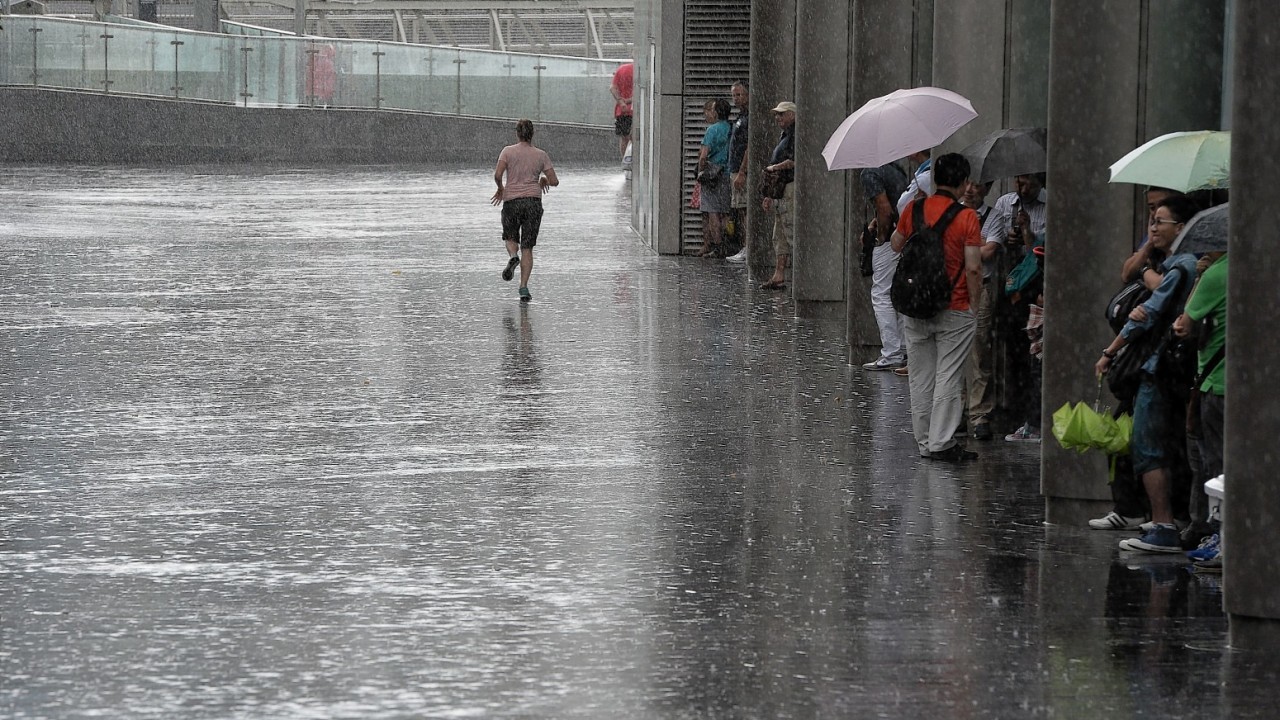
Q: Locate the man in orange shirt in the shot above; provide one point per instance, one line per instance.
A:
(938, 347)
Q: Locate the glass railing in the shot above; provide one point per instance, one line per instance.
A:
(263, 70)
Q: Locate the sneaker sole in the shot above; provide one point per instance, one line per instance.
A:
(1136, 545)
(510, 270)
(1109, 524)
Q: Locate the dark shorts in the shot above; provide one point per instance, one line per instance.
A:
(622, 125)
(521, 219)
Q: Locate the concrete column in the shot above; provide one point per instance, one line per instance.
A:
(1027, 73)
(773, 65)
(822, 220)
(969, 58)
(1093, 119)
(1252, 506)
(882, 43)
(1101, 106)
(300, 17)
(206, 16)
(657, 146)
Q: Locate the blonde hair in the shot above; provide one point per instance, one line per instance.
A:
(524, 130)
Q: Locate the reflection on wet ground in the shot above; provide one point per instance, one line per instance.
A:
(281, 444)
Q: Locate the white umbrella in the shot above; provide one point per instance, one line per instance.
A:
(1182, 161)
(894, 126)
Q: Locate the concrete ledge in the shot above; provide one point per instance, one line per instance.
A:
(52, 126)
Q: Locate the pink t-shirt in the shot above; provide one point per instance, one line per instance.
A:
(525, 164)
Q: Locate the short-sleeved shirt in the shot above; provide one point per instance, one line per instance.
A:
(716, 141)
(964, 231)
(1001, 220)
(785, 150)
(525, 164)
(1210, 301)
(888, 180)
(623, 82)
(738, 142)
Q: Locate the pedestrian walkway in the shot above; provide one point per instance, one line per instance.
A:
(282, 444)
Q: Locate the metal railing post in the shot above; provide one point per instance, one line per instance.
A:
(35, 55)
(377, 77)
(538, 86)
(457, 106)
(311, 74)
(244, 64)
(176, 87)
(106, 61)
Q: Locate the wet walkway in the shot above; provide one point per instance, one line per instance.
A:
(280, 444)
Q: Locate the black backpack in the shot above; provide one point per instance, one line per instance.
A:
(921, 287)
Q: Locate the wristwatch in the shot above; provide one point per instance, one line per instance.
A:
(1106, 353)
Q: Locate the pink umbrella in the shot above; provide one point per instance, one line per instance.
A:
(894, 126)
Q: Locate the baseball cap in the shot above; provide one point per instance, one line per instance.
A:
(785, 106)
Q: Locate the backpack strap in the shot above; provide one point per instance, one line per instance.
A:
(941, 227)
(950, 214)
(1210, 366)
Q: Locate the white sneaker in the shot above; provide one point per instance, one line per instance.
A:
(1116, 521)
(883, 364)
(740, 256)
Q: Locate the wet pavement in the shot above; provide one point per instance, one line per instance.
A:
(281, 444)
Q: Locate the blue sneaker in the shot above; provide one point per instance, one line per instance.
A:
(1208, 548)
(1161, 539)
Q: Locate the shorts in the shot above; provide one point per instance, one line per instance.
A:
(715, 198)
(622, 125)
(1153, 428)
(521, 219)
(784, 222)
(738, 198)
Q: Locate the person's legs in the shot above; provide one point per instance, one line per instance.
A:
(712, 232)
(953, 337)
(884, 262)
(1032, 418)
(526, 266)
(1212, 417)
(922, 360)
(530, 224)
(783, 225)
(981, 399)
(1148, 448)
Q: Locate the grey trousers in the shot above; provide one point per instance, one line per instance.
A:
(937, 356)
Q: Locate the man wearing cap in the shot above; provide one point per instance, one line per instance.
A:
(782, 161)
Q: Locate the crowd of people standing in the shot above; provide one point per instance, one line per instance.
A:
(977, 363)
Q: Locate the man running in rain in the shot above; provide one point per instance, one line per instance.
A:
(528, 174)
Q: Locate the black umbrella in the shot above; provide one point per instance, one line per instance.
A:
(1008, 152)
(1206, 232)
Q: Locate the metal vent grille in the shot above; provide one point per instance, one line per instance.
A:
(717, 49)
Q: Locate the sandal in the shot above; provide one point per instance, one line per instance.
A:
(773, 285)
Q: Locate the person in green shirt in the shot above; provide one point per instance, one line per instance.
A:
(1208, 304)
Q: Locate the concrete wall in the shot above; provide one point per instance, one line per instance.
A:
(52, 126)
(1102, 104)
(824, 225)
(656, 132)
(773, 79)
(1252, 510)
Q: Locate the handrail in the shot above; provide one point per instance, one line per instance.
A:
(314, 72)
